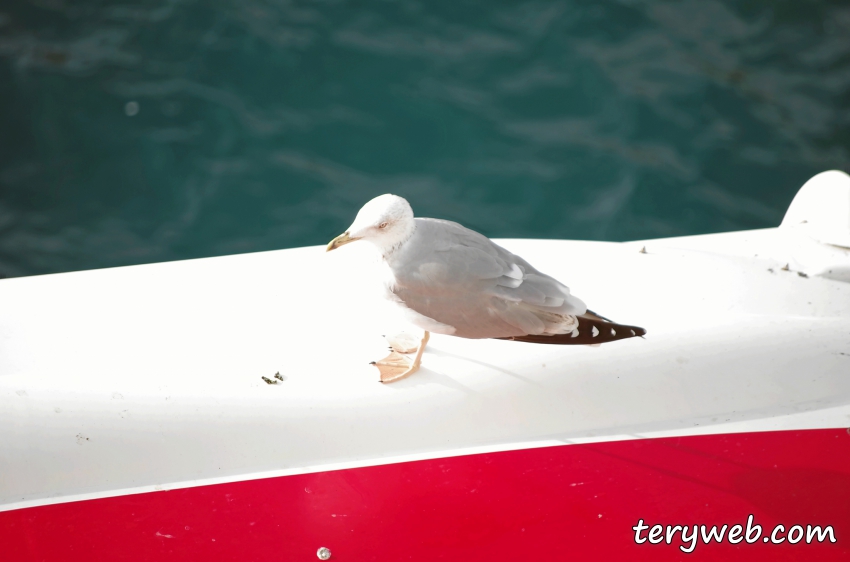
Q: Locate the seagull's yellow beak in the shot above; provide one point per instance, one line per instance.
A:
(340, 240)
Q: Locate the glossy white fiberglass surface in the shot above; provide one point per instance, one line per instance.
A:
(149, 376)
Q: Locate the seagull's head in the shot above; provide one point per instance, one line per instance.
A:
(386, 221)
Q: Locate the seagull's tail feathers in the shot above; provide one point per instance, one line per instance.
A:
(592, 329)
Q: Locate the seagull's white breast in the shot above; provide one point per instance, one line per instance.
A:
(389, 282)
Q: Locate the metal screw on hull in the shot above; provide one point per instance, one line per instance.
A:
(323, 553)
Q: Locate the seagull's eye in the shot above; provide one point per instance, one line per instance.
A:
(382, 225)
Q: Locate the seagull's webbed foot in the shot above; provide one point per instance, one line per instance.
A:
(396, 366)
(403, 343)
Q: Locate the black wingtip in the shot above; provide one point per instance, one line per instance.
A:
(590, 331)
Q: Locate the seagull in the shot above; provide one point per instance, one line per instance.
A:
(448, 279)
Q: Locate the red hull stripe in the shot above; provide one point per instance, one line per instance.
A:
(576, 502)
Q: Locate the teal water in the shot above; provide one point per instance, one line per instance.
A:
(163, 130)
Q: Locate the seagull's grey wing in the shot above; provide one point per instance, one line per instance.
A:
(458, 276)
